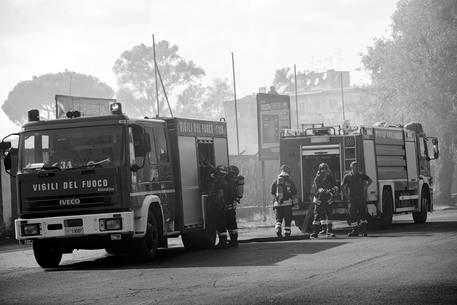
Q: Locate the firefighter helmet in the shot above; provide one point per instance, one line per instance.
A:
(233, 170)
(323, 167)
(285, 168)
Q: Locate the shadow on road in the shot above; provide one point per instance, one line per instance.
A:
(406, 228)
(254, 254)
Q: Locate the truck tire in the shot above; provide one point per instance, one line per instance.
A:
(120, 248)
(46, 255)
(147, 246)
(197, 240)
(387, 209)
(421, 217)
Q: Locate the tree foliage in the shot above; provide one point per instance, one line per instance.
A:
(39, 93)
(197, 101)
(135, 72)
(414, 74)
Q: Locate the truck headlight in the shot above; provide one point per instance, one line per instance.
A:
(110, 224)
(31, 229)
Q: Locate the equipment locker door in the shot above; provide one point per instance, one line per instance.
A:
(192, 207)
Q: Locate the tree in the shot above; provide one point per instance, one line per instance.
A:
(217, 93)
(135, 71)
(414, 74)
(201, 102)
(284, 80)
(39, 93)
(189, 103)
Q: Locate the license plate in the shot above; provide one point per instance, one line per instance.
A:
(74, 231)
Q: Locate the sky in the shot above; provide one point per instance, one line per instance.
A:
(87, 36)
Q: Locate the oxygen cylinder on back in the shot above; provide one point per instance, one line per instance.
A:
(240, 187)
(280, 189)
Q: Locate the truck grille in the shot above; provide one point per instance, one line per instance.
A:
(65, 202)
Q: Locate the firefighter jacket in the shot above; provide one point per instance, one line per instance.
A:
(218, 191)
(325, 187)
(283, 188)
(232, 197)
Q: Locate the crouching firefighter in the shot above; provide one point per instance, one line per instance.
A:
(283, 189)
(217, 199)
(325, 187)
(235, 193)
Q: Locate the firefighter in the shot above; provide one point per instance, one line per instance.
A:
(235, 193)
(325, 187)
(354, 188)
(217, 200)
(283, 189)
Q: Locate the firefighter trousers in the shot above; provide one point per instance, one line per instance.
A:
(358, 212)
(283, 213)
(230, 221)
(321, 213)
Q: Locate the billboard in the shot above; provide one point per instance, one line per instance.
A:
(273, 115)
(87, 106)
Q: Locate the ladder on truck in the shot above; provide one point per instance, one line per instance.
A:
(349, 152)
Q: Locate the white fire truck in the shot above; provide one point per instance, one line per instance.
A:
(116, 183)
(396, 158)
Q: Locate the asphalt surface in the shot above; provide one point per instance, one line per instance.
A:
(407, 264)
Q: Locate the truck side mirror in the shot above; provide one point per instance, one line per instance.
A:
(4, 148)
(5, 145)
(7, 161)
(436, 150)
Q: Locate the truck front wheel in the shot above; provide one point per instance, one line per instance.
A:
(147, 246)
(46, 255)
(387, 209)
(421, 217)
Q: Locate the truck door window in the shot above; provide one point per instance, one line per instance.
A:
(161, 144)
(423, 148)
(152, 153)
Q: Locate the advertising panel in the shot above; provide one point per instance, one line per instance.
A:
(273, 115)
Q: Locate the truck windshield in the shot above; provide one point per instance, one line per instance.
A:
(64, 149)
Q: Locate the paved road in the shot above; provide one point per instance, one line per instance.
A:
(407, 264)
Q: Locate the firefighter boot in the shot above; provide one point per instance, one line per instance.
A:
(323, 229)
(287, 232)
(330, 230)
(222, 241)
(363, 229)
(233, 240)
(278, 230)
(315, 231)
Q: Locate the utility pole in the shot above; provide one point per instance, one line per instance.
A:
(342, 95)
(155, 74)
(236, 108)
(296, 95)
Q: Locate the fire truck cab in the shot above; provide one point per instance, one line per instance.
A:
(116, 183)
(396, 158)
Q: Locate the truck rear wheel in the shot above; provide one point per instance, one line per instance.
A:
(147, 246)
(387, 209)
(46, 255)
(421, 217)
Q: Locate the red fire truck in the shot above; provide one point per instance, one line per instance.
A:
(116, 183)
(396, 158)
